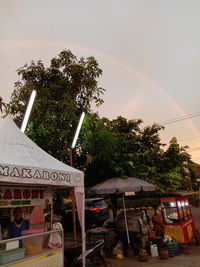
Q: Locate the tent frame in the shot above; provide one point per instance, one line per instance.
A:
(22, 162)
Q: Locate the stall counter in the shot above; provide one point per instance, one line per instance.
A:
(50, 259)
(177, 217)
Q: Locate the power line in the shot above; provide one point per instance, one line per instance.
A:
(193, 149)
(193, 115)
(190, 138)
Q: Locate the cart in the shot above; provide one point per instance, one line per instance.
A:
(177, 217)
(28, 178)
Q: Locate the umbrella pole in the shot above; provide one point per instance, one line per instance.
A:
(127, 232)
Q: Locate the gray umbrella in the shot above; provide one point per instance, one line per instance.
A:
(120, 185)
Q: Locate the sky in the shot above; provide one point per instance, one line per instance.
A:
(149, 51)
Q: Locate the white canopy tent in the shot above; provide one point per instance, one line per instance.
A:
(23, 162)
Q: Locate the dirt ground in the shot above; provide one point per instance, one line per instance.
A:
(189, 257)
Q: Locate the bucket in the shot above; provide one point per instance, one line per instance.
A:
(33, 245)
(154, 250)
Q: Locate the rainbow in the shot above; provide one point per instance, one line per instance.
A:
(114, 60)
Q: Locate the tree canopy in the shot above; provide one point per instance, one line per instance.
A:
(122, 148)
(64, 89)
(106, 148)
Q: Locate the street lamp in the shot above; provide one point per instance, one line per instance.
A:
(28, 111)
(71, 164)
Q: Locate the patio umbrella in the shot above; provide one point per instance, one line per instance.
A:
(120, 185)
(114, 185)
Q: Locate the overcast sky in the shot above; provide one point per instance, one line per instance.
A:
(149, 51)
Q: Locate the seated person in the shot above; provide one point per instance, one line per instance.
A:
(18, 224)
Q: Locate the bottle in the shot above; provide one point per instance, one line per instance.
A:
(154, 250)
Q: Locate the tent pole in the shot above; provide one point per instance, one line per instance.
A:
(73, 203)
(127, 232)
(74, 215)
(83, 233)
(80, 201)
(51, 212)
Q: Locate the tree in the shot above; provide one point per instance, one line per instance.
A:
(106, 148)
(148, 152)
(176, 167)
(176, 155)
(64, 89)
(99, 145)
(127, 134)
(120, 148)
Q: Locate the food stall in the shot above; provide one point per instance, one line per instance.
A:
(28, 178)
(177, 217)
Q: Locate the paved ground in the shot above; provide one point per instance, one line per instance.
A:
(190, 257)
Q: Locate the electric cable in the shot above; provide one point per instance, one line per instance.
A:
(193, 115)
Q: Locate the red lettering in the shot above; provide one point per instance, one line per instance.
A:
(34, 194)
(26, 194)
(7, 194)
(17, 194)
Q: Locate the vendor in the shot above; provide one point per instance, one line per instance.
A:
(18, 224)
(158, 224)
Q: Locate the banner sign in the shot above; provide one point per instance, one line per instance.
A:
(23, 196)
(33, 175)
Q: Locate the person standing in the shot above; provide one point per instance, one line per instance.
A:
(18, 224)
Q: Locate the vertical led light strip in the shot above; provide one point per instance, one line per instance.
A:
(28, 111)
(78, 129)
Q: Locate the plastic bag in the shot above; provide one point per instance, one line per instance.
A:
(118, 251)
(55, 239)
